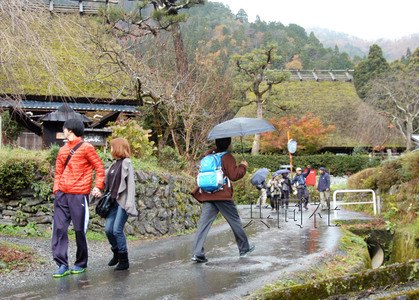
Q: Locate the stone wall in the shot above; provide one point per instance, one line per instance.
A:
(163, 202)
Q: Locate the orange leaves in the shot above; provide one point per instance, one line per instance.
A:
(308, 131)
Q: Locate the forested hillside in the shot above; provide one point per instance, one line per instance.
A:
(212, 30)
(354, 46)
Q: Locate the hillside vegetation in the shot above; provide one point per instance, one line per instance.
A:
(335, 103)
(57, 55)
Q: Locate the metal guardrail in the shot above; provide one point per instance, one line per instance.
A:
(373, 202)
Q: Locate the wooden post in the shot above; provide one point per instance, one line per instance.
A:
(81, 6)
(290, 154)
(1, 133)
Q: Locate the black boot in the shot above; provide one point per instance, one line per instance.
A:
(123, 263)
(114, 259)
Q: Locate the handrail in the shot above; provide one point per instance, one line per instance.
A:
(374, 198)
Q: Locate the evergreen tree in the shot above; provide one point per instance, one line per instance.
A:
(374, 66)
(242, 16)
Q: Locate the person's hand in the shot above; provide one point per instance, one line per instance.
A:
(244, 163)
(96, 192)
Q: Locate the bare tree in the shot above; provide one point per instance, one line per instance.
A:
(396, 95)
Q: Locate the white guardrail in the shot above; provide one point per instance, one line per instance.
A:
(373, 202)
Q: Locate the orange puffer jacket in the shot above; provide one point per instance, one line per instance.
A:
(77, 177)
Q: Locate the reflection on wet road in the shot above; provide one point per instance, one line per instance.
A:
(163, 270)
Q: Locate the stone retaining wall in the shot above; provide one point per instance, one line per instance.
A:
(163, 202)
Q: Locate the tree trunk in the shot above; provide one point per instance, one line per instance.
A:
(259, 112)
(409, 132)
(181, 58)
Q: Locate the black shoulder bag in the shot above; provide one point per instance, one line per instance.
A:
(105, 202)
(72, 151)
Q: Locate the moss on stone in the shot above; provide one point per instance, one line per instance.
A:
(386, 276)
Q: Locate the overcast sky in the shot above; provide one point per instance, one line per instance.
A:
(367, 19)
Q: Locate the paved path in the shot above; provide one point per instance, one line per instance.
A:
(162, 269)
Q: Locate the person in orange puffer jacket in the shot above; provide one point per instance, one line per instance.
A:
(72, 183)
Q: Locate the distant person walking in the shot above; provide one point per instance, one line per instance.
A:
(121, 174)
(275, 190)
(76, 161)
(323, 187)
(302, 191)
(286, 190)
(262, 188)
(221, 201)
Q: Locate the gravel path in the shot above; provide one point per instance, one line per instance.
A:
(99, 255)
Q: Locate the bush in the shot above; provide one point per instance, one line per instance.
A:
(363, 180)
(171, 160)
(137, 136)
(19, 168)
(337, 165)
(389, 175)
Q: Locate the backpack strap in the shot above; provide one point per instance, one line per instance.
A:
(72, 151)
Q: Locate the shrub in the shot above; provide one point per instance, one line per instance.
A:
(171, 160)
(137, 136)
(337, 165)
(18, 168)
(364, 179)
(389, 175)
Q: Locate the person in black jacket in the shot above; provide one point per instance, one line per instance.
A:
(286, 190)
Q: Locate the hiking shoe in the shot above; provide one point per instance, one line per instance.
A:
(61, 272)
(199, 259)
(251, 248)
(77, 270)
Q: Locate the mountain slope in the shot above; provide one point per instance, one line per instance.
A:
(354, 46)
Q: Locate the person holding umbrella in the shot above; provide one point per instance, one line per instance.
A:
(221, 201)
(286, 190)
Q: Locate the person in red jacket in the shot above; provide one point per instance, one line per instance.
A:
(221, 201)
(76, 161)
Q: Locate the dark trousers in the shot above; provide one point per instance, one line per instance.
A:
(74, 208)
(275, 202)
(302, 195)
(285, 197)
(209, 212)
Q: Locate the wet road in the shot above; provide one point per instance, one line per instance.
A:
(162, 269)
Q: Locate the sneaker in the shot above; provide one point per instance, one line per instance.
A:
(251, 248)
(199, 259)
(77, 270)
(61, 272)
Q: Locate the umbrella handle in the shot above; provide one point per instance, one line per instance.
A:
(241, 141)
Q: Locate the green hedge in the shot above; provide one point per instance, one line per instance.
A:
(337, 165)
(19, 169)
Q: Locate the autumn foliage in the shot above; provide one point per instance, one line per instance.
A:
(309, 132)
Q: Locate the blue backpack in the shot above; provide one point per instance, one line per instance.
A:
(211, 177)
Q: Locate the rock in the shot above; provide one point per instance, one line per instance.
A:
(33, 201)
(40, 219)
(13, 203)
(161, 227)
(6, 221)
(7, 212)
(149, 203)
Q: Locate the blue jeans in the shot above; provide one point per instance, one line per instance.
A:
(114, 228)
